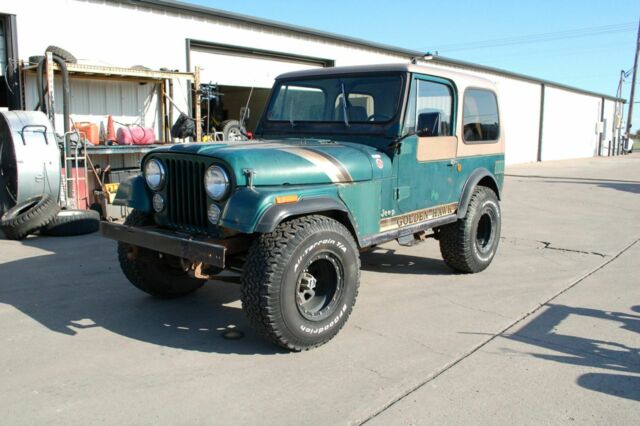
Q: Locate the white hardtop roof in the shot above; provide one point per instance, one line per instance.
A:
(461, 78)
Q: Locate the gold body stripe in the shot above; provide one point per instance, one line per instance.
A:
(417, 216)
(329, 165)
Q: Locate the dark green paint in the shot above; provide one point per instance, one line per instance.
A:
(383, 179)
(134, 193)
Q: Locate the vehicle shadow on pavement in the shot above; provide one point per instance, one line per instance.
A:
(608, 355)
(80, 286)
(386, 260)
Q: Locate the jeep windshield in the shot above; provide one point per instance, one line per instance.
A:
(366, 104)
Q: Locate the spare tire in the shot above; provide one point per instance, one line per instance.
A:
(232, 131)
(72, 222)
(28, 216)
(62, 54)
(35, 59)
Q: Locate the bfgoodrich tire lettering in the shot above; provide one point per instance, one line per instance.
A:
(470, 244)
(277, 278)
(158, 276)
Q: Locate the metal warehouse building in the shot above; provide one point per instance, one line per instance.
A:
(543, 120)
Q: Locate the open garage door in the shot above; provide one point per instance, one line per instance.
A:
(235, 70)
(242, 67)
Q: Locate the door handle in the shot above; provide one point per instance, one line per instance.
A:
(452, 163)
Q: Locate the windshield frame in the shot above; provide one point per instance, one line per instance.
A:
(335, 126)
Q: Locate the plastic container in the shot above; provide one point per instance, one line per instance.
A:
(90, 131)
(135, 136)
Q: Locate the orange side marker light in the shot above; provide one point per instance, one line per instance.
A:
(285, 199)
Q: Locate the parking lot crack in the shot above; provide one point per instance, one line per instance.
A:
(400, 337)
(500, 333)
(471, 308)
(548, 246)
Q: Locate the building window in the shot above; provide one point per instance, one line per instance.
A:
(480, 116)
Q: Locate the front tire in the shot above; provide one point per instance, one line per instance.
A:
(158, 275)
(300, 282)
(470, 244)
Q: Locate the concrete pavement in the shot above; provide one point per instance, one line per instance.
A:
(79, 344)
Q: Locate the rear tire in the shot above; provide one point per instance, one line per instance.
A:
(300, 282)
(470, 244)
(158, 275)
(28, 216)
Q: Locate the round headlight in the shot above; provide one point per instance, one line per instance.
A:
(154, 174)
(157, 202)
(216, 182)
(213, 213)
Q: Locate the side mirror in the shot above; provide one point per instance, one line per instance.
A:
(428, 124)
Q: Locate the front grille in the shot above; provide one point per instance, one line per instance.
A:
(187, 202)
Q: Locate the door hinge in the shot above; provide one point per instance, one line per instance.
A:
(401, 192)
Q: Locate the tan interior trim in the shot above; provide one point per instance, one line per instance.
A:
(436, 148)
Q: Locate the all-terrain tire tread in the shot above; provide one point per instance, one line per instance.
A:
(81, 223)
(455, 246)
(40, 215)
(265, 260)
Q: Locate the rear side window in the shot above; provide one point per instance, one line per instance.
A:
(480, 116)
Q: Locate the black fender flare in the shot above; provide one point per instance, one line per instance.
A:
(279, 212)
(472, 181)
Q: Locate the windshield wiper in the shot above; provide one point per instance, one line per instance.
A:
(291, 115)
(344, 106)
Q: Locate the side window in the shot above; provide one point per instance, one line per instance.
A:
(480, 116)
(429, 109)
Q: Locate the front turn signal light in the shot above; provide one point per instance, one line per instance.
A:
(286, 199)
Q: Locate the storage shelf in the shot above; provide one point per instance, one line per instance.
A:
(108, 71)
(120, 149)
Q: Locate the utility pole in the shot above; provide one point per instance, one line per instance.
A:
(633, 83)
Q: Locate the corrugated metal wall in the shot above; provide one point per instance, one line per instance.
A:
(609, 111)
(570, 125)
(92, 100)
(570, 117)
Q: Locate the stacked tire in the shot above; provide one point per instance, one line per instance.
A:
(42, 213)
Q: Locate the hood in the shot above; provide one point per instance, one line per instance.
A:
(294, 162)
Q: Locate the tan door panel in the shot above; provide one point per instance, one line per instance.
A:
(436, 148)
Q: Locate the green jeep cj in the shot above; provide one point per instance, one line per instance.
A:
(346, 158)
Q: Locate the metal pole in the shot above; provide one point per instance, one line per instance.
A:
(633, 84)
(197, 92)
(618, 110)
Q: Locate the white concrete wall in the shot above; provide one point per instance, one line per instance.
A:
(570, 121)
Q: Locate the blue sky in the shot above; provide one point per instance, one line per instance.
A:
(596, 40)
